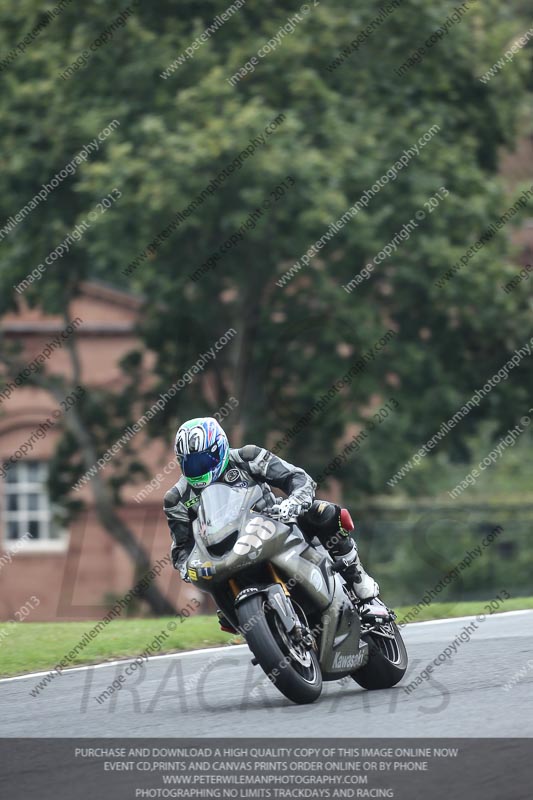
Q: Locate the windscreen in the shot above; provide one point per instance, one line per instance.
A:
(220, 509)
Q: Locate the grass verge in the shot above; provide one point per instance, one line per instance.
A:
(39, 646)
(446, 610)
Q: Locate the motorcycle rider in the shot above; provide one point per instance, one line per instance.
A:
(205, 457)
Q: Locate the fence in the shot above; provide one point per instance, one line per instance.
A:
(411, 549)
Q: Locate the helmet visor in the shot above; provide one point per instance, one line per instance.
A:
(194, 465)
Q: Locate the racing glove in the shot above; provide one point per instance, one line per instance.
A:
(288, 509)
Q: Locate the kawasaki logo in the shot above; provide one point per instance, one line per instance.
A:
(347, 662)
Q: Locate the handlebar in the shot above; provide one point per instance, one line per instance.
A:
(287, 520)
(273, 514)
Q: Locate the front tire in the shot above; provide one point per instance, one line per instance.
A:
(296, 676)
(387, 662)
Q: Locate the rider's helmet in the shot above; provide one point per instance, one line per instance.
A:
(202, 450)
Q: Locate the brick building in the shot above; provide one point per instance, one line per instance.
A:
(73, 570)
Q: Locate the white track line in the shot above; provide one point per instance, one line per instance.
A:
(225, 648)
(124, 661)
(472, 616)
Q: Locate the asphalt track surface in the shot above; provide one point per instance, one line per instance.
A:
(219, 693)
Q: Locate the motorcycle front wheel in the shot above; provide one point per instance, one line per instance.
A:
(292, 668)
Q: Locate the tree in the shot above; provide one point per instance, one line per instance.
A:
(338, 131)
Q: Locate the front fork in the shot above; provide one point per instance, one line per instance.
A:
(279, 600)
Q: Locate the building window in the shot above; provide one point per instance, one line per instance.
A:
(27, 510)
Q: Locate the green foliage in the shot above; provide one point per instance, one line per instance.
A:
(342, 130)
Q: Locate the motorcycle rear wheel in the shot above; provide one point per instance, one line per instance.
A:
(296, 673)
(387, 662)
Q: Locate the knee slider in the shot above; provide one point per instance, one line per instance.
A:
(324, 516)
(321, 520)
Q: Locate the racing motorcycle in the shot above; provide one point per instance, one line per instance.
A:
(300, 619)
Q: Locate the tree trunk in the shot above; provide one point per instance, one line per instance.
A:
(103, 499)
(113, 524)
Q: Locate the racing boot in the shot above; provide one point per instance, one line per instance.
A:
(372, 610)
(350, 567)
(333, 526)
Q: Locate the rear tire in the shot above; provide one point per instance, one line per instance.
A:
(387, 662)
(298, 682)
